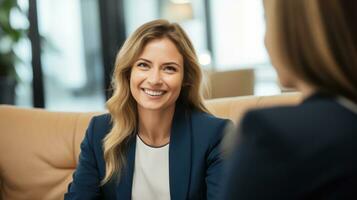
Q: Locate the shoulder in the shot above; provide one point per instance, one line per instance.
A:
(208, 121)
(207, 127)
(277, 119)
(99, 127)
(305, 115)
(102, 121)
(322, 120)
(270, 116)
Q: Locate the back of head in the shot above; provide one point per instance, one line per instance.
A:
(319, 40)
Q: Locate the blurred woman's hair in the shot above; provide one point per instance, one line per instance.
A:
(319, 40)
(123, 107)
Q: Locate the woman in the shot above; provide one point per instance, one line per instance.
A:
(158, 142)
(305, 151)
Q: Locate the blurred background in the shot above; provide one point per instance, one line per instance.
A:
(59, 54)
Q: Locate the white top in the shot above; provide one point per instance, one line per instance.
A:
(151, 172)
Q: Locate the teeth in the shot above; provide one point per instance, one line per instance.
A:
(153, 93)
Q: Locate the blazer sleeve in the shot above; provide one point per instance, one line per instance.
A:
(86, 181)
(258, 167)
(215, 162)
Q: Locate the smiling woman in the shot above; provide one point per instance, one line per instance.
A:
(156, 78)
(152, 144)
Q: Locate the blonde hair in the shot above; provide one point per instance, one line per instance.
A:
(122, 105)
(319, 41)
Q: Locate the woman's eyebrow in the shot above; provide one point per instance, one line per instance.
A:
(166, 63)
(171, 63)
(146, 60)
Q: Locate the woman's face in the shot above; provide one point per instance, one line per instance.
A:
(157, 75)
(272, 43)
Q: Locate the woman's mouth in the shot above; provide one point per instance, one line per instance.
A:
(153, 92)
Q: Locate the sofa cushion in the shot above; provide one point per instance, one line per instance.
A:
(38, 151)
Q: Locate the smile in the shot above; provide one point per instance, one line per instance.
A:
(154, 92)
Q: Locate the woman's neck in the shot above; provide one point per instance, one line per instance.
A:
(305, 89)
(155, 126)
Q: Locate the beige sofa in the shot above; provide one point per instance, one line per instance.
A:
(39, 149)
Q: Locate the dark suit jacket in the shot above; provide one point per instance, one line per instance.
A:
(195, 164)
(297, 152)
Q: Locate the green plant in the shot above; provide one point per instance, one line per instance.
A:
(9, 37)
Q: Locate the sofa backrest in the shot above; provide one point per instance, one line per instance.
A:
(233, 108)
(242, 79)
(39, 149)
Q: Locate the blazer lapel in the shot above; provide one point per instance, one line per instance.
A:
(180, 154)
(126, 180)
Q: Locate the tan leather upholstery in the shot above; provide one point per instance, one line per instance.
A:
(234, 107)
(230, 83)
(39, 149)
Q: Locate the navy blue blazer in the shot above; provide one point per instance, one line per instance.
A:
(296, 152)
(195, 162)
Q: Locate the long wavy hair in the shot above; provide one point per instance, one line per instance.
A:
(123, 107)
(319, 41)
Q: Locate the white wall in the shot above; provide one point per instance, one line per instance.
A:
(238, 33)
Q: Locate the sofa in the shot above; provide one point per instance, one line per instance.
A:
(39, 149)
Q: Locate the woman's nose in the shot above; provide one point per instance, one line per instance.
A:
(154, 77)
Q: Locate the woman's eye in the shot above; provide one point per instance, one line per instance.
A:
(170, 69)
(143, 65)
